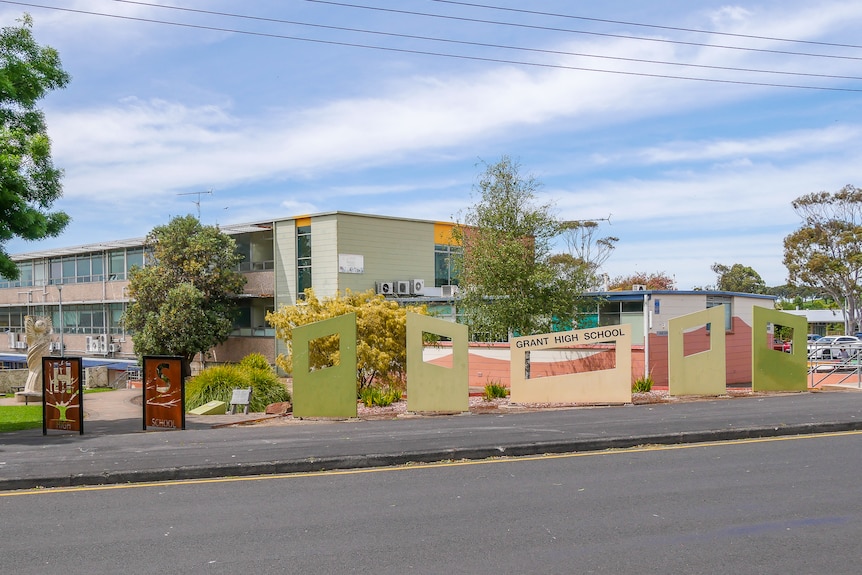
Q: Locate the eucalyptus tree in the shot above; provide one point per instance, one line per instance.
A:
(825, 253)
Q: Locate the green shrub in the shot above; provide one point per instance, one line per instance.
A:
(255, 361)
(642, 384)
(494, 391)
(217, 384)
(380, 397)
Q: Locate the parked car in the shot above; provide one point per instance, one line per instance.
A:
(830, 346)
(784, 346)
(815, 337)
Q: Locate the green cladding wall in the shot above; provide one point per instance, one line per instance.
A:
(331, 391)
(775, 370)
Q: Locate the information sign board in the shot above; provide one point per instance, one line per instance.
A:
(62, 394)
(164, 392)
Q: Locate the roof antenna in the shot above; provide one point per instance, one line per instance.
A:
(198, 202)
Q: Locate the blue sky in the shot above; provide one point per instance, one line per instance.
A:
(690, 172)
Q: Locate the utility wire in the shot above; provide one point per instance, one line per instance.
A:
(437, 54)
(571, 31)
(490, 45)
(655, 26)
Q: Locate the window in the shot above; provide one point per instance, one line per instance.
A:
(134, 258)
(445, 257)
(303, 260)
(117, 265)
(726, 301)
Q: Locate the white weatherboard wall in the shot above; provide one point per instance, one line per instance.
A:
(324, 255)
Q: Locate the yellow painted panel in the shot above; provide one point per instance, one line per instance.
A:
(435, 388)
(702, 373)
(604, 386)
(443, 233)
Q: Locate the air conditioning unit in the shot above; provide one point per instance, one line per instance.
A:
(13, 339)
(114, 348)
(20, 345)
(103, 343)
(57, 346)
(416, 286)
(402, 287)
(448, 290)
(94, 344)
(639, 287)
(385, 288)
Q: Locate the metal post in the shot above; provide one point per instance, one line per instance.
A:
(60, 294)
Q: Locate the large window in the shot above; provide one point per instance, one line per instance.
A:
(445, 257)
(25, 277)
(86, 319)
(303, 260)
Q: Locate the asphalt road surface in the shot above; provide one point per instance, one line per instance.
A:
(781, 505)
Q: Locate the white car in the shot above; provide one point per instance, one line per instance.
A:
(830, 346)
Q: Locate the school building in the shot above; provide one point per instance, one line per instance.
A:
(83, 290)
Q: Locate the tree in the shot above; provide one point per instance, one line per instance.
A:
(510, 279)
(586, 252)
(738, 278)
(826, 252)
(652, 281)
(29, 182)
(183, 299)
(381, 334)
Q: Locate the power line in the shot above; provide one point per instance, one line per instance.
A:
(490, 45)
(571, 31)
(437, 54)
(655, 26)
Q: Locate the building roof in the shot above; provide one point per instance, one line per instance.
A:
(633, 295)
(819, 315)
(230, 229)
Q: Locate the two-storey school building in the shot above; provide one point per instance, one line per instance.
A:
(83, 290)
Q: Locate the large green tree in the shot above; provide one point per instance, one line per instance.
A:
(511, 279)
(183, 301)
(738, 278)
(29, 182)
(825, 254)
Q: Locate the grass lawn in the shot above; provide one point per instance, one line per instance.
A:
(17, 417)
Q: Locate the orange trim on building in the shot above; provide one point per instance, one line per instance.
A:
(443, 233)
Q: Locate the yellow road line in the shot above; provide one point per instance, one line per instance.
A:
(410, 466)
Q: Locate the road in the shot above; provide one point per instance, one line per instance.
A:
(780, 505)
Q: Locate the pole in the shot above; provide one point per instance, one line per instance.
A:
(60, 297)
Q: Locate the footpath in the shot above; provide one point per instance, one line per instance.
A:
(114, 448)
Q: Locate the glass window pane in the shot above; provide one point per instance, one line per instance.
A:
(118, 265)
(303, 246)
(134, 258)
(69, 269)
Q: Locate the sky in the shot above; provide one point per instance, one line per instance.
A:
(686, 128)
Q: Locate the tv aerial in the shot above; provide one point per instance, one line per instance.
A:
(198, 201)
